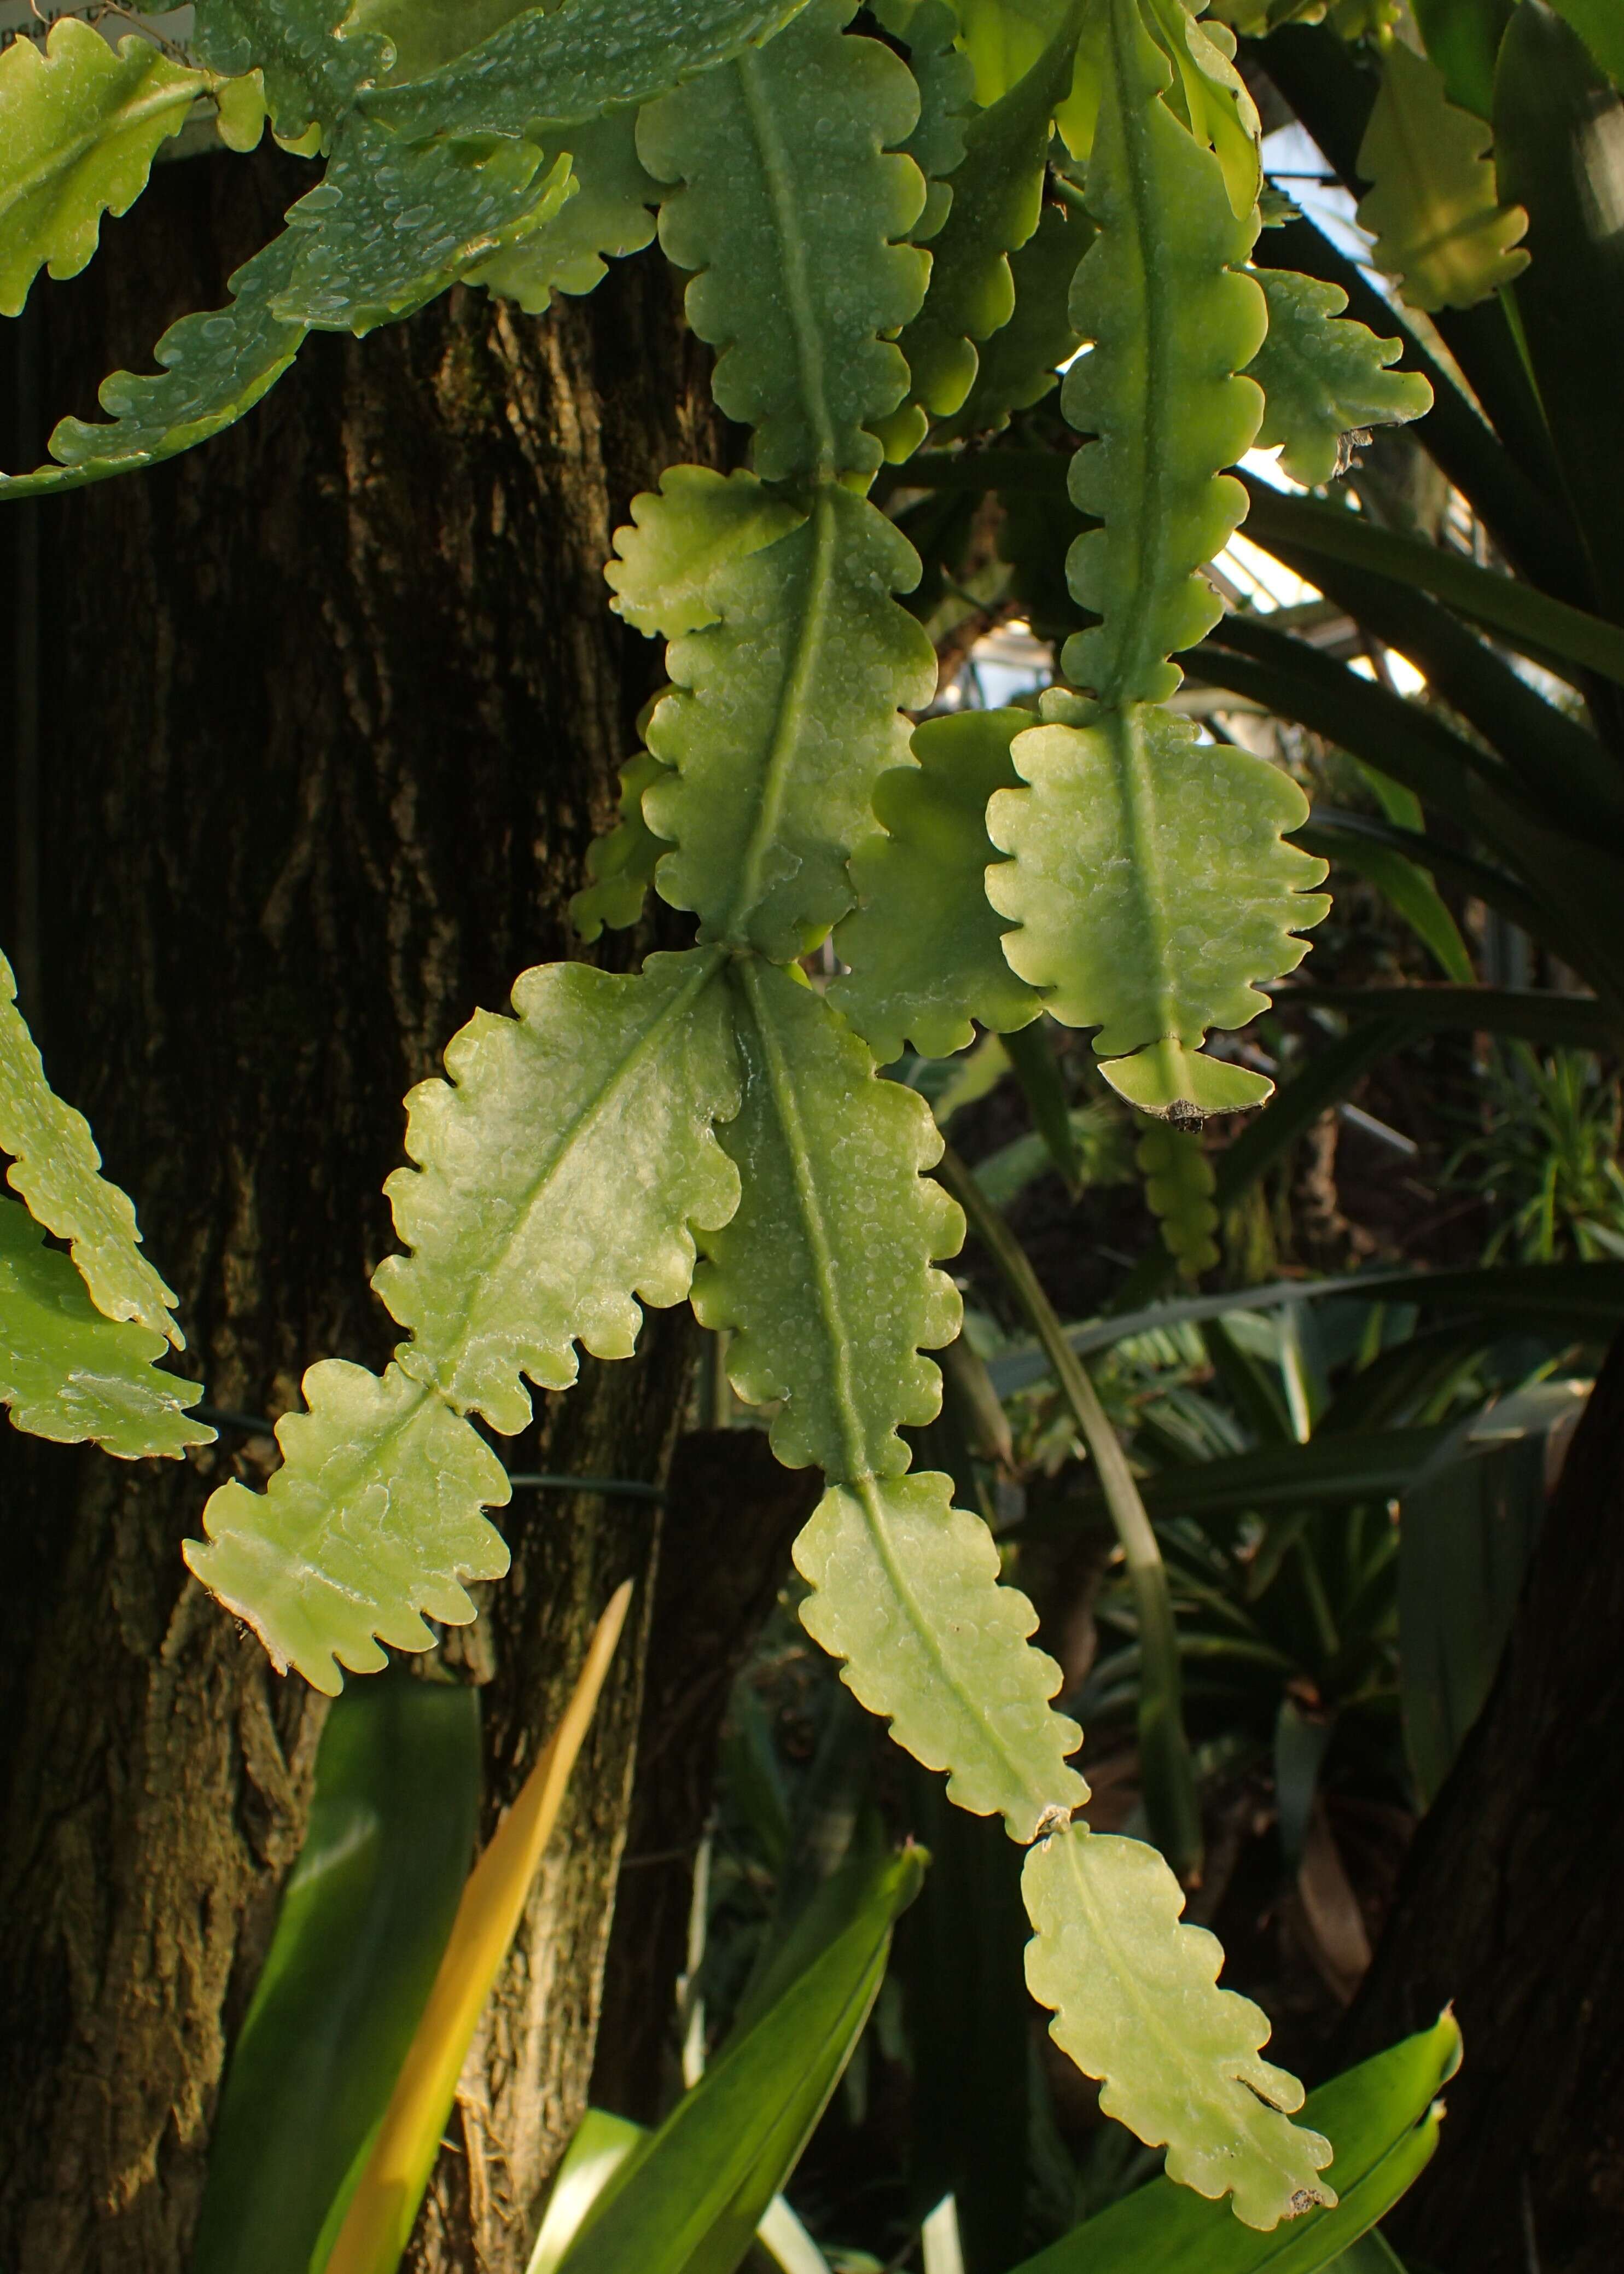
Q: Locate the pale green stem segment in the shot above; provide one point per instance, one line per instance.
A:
(1170, 1798)
(778, 174)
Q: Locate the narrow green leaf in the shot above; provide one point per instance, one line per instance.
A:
(561, 1174)
(577, 62)
(1179, 1184)
(1324, 377)
(57, 1169)
(1601, 28)
(363, 1922)
(1163, 279)
(216, 367)
(997, 198)
(1463, 38)
(1441, 232)
(80, 124)
(680, 535)
(1137, 2005)
(905, 1591)
(791, 208)
(923, 944)
(1031, 1054)
(1403, 883)
(70, 1374)
(786, 713)
(620, 866)
(1327, 1472)
(1132, 842)
(1381, 2118)
(1536, 1013)
(825, 1274)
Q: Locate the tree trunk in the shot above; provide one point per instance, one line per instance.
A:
(1509, 1907)
(329, 711)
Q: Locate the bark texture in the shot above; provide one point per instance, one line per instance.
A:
(1508, 1906)
(330, 710)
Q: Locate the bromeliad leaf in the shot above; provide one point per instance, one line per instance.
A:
(620, 866)
(79, 127)
(1137, 2005)
(906, 1592)
(611, 214)
(215, 368)
(1159, 286)
(1152, 890)
(372, 1522)
(71, 1375)
(1441, 232)
(787, 712)
(57, 1169)
(923, 948)
(1324, 377)
(790, 209)
(825, 1274)
(680, 535)
(561, 1174)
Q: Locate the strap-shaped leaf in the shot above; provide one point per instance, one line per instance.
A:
(997, 198)
(1137, 2005)
(825, 1274)
(578, 61)
(923, 948)
(1173, 323)
(57, 1169)
(1441, 232)
(1152, 891)
(389, 226)
(787, 712)
(79, 126)
(372, 1522)
(71, 1375)
(790, 209)
(1021, 361)
(216, 367)
(561, 1174)
(1324, 377)
(906, 1592)
(1179, 1185)
(610, 214)
(620, 866)
(680, 535)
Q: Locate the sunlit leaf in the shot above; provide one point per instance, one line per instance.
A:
(1441, 232)
(1324, 377)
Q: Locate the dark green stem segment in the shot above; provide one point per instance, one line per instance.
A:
(1170, 1803)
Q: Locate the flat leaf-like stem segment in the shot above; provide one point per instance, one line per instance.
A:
(825, 1274)
(680, 535)
(71, 1374)
(577, 61)
(79, 127)
(786, 712)
(1021, 361)
(1173, 323)
(906, 1590)
(561, 1173)
(924, 946)
(792, 198)
(1210, 95)
(1136, 2004)
(57, 1169)
(1324, 377)
(216, 367)
(1179, 1185)
(610, 214)
(1441, 232)
(1151, 888)
(621, 865)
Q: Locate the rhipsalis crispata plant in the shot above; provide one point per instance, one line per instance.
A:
(895, 228)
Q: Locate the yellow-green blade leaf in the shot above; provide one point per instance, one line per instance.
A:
(1324, 377)
(372, 1522)
(73, 1375)
(1173, 319)
(1152, 890)
(621, 865)
(560, 1175)
(825, 1274)
(906, 1590)
(787, 712)
(377, 2224)
(610, 214)
(1136, 2004)
(56, 1168)
(79, 126)
(1441, 232)
(680, 535)
(923, 944)
(793, 196)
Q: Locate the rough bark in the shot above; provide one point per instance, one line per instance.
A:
(1508, 1906)
(331, 708)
